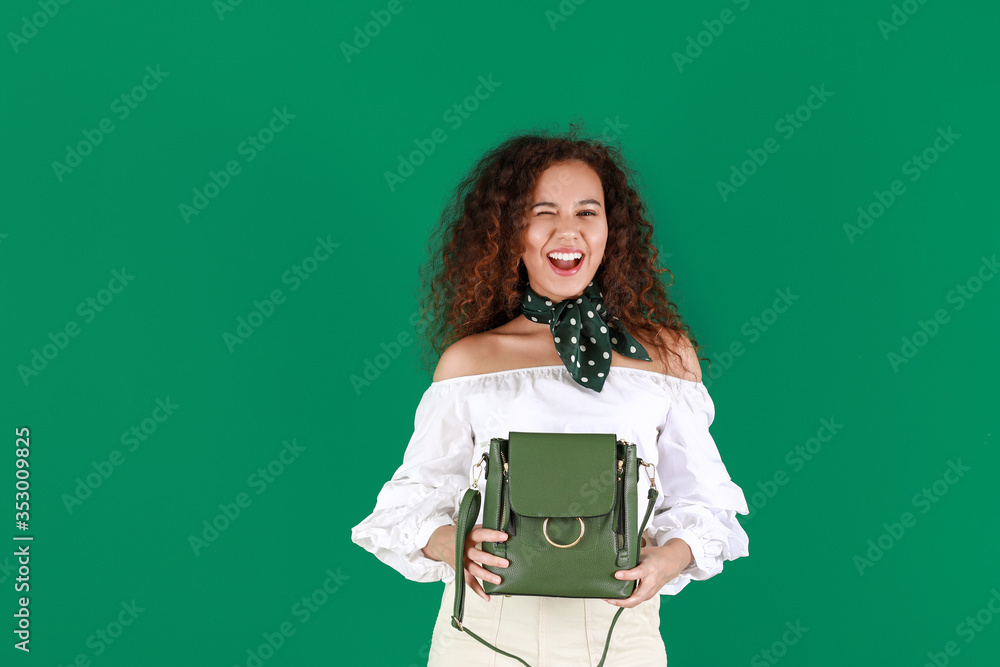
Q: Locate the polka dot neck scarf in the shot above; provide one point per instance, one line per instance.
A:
(584, 339)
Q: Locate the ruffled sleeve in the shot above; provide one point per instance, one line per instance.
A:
(698, 501)
(426, 491)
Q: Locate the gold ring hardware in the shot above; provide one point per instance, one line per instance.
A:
(478, 471)
(545, 532)
(459, 623)
(650, 473)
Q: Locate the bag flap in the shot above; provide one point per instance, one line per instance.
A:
(562, 474)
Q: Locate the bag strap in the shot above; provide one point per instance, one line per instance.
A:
(467, 515)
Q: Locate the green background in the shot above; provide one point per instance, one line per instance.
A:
(682, 124)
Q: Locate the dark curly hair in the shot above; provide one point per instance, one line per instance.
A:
(472, 281)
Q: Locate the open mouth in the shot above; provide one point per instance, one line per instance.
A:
(565, 261)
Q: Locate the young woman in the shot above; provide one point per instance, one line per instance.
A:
(551, 317)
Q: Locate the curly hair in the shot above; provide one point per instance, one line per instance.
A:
(472, 281)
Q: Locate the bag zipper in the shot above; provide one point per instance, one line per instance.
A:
(621, 506)
(621, 497)
(503, 494)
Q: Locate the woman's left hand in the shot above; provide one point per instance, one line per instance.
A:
(657, 566)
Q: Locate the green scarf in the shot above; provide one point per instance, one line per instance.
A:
(574, 321)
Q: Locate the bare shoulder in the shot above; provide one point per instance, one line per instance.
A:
(461, 357)
(686, 367)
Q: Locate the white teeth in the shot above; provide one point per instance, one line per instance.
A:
(566, 255)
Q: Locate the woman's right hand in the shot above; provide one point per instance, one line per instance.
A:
(441, 546)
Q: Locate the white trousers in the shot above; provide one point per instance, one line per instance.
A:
(546, 632)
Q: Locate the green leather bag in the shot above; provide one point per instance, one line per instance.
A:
(568, 504)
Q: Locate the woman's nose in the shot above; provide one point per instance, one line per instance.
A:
(567, 224)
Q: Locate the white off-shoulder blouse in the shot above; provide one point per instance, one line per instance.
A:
(666, 417)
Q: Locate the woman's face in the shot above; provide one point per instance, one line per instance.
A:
(566, 215)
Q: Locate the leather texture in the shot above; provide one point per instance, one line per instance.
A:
(556, 484)
(587, 459)
(571, 475)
